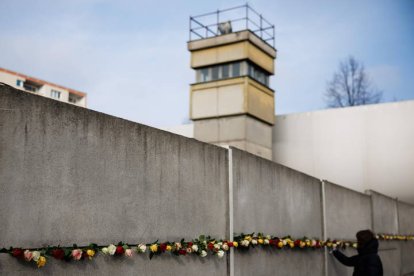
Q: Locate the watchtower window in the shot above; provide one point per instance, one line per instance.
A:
(232, 70)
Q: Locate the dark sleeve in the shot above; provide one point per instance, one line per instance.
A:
(348, 261)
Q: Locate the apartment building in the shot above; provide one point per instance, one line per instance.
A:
(42, 88)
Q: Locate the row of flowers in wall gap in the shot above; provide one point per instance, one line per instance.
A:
(203, 246)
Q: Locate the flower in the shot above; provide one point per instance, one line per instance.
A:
(245, 243)
(128, 252)
(119, 250)
(182, 252)
(58, 253)
(154, 248)
(260, 241)
(111, 249)
(194, 247)
(280, 244)
(105, 250)
(178, 245)
(266, 241)
(36, 255)
(28, 256)
(189, 250)
(225, 247)
(141, 248)
(168, 248)
(230, 244)
(210, 246)
(220, 253)
(90, 253)
(18, 253)
(163, 247)
(203, 253)
(216, 246)
(235, 244)
(41, 261)
(76, 254)
(254, 241)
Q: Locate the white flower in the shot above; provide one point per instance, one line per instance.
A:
(225, 247)
(105, 250)
(245, 243)
(254, 241)
(111, 249)
(178, 245)
(284, 242)
(220, 253)
(35, 255)
(266, 241)
(216, 246)
(141, 248)
(268, 237)
(189, 250)
(313, 243)
(194, 247)
(203, 253)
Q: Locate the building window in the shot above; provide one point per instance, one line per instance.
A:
(232, 70)
(18, 82)
(55, 94)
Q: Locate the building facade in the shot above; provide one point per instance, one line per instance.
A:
(42, 88)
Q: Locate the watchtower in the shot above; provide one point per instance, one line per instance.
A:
(231, 102)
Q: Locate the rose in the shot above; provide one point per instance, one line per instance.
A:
(111, 249)
(58, 253)
(266, 241)
(163, 247)
(105, 250)
(182, 252)
(245, 243)
(260, 241)
(189, 250)
(141, 248)
(235, 244)
(128, 252)
(41, 261)
(168, 248)
(268, 237)
(119, 250)
(76, 254)
(297, 243)
(194, 247)
(154, 248)
(18, 253)
(36, 255)
(189, 244)
(210, 246)
(203, 253)
(254, 241)
(90, 253)
(220, 253)
(178, 245)
(230, 244)
(302, 244)
(280, 244)
(225, 247)
(28, 256)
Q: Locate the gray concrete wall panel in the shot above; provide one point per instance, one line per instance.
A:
(347, 212)
(384, 213)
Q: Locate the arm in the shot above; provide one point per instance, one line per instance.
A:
(348, 261)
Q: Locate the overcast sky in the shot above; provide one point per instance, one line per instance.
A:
(131, 56)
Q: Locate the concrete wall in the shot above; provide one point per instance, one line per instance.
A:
(364, 147)
(71, 175)
(273, 199)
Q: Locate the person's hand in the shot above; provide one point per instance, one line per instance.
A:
(332, 250)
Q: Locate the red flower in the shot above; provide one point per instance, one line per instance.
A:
(210, 246)
(182, 252)
(163, 247)
(297, 242)
(18, 253)
(189, 244)
(230, 244)
(58, 253)
(119, 250)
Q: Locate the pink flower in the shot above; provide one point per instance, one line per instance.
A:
(128, 252)
(28, 256)
(76, 254)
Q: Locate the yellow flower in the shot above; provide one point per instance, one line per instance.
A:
(329, 244)
(280, 244)
(168, 248)
(291, 244)
(260, 241)
(90, 253)
(41, 261)
(248, 238)
(154, 248)
(302, 244)
(235, 244)
(308, 243)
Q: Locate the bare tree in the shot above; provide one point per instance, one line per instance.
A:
(351, 86)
